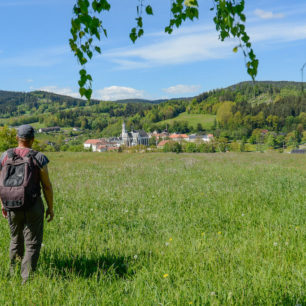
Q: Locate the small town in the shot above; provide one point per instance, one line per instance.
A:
(142, 138)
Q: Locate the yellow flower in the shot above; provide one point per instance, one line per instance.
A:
(203, 234)
(190, 303)
(219, 233)
(170, 239)
(166, 275)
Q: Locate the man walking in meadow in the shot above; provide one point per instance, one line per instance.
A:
(23, 172)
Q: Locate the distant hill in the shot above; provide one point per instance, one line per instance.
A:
(274, 84)
(9, 100)
(253, 92)
(158, 101)
(283, 100)
(136, 101)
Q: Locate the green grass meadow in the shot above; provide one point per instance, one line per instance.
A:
(169, 229)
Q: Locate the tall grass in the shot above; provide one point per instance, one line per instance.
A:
(169, 229)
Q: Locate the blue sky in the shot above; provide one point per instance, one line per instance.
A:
(34, 50)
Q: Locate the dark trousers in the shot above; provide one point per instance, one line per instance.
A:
(26, 228)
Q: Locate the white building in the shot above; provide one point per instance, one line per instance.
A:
(92, 144)
(199, 138)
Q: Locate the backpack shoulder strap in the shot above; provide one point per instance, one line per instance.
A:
(32, 153)
(10, 153)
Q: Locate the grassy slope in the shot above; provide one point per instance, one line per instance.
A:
(221, 228)
(193, 119)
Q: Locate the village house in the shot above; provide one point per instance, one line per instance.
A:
(162, 144)
(94, 143)
(192, 138)
(101, 148)
(179, 137)
(114, 142)
(49, 129)
(208, 137)
(163, 135)
(102, 144)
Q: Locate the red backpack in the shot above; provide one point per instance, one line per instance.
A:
(19, 180)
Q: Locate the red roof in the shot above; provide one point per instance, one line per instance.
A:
(160, 135)
(179, 136)
(100, 146)
(162, 143)
(92, 141)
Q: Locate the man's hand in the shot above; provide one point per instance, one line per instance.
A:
(4, 212)
(50, 213)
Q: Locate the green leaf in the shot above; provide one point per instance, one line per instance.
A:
(98, 49)
(82, 91)
(139, 22)
(88, 93)
(89, 53)
(82, 72)
(149, 10)
(140, 32)
(133, 35)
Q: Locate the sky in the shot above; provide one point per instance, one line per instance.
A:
(35, 54)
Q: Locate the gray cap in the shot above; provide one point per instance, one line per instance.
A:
(26, 131)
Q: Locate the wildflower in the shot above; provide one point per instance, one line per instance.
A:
(219, 233)
(167, 243)
(165, 275)
(170, 239)
(42, 245)
(91, 209)
(275, 243)
(203, 234)
(135, 256)
(190, 303)
(296, 228)
(242, 215)
(213, 293)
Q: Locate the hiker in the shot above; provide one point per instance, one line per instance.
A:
(23, 172)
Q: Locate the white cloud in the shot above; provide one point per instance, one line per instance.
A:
(190, 46)
(61, 91)
(199, 43)
(182, 89)
(118, 93)
(267, 14)
(108, 93)
(278, 32)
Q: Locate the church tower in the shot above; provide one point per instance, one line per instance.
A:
(124, 135)
(123, 129)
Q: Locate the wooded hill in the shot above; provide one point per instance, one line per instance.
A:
(239, 110)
